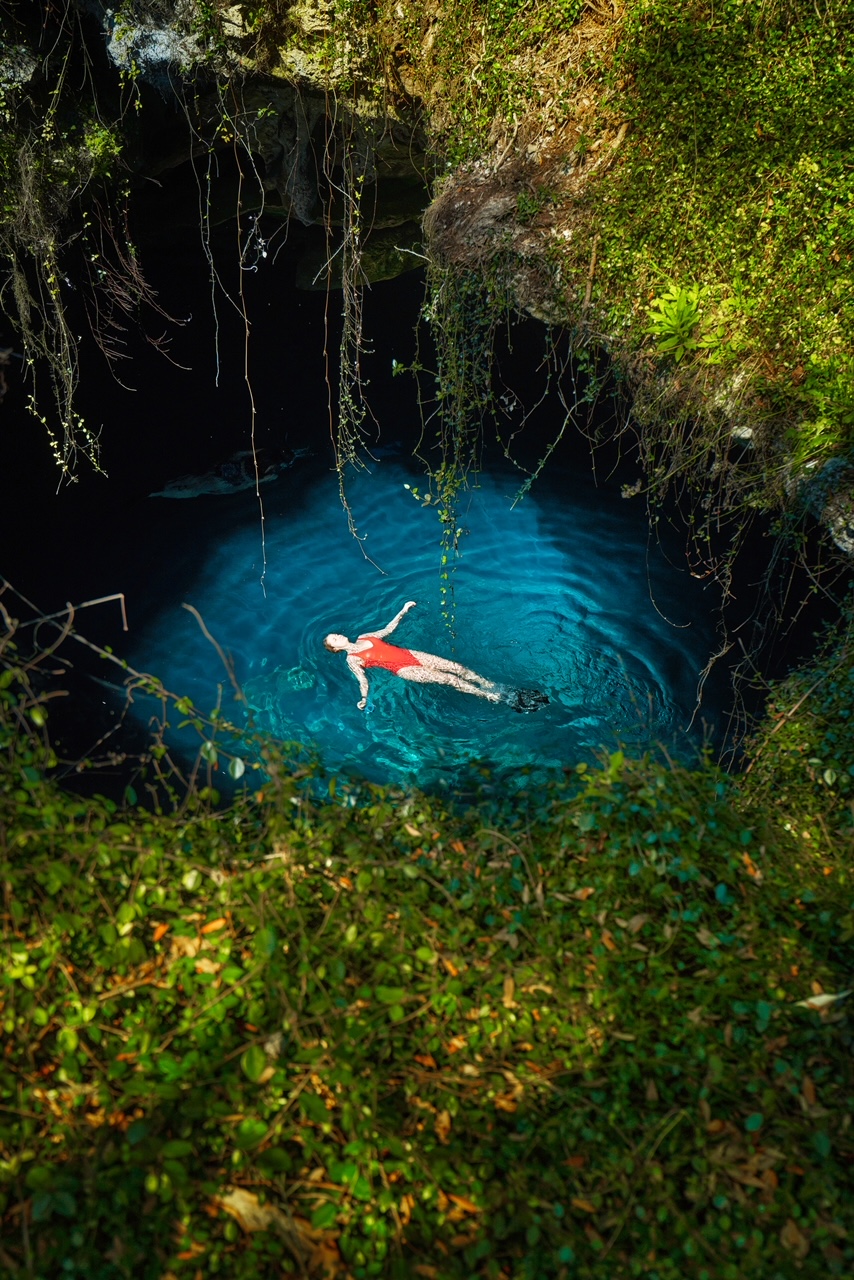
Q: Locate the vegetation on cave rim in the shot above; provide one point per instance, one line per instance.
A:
(346, 1031)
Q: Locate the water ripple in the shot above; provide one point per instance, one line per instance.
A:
(553, 593)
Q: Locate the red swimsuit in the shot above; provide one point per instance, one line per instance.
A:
(387, 656)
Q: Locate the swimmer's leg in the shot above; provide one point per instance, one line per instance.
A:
(432, 675)
(432, 662)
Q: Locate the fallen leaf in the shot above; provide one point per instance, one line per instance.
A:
(583, 894)
(695, 1015)
(213, 926)
(423, 1269)
(584, 1205)
(651, 1091)
(413, 831)
(637, 923)
(467, 1205)
(821, 1000)
(509, 992)
(443, 1127)
(186, 1255)
(206, 965)
(715, 1126)
(160, 931)
(458, 846)
(180, 946)
(426, 1060)
(506, 1102)
(457, 1043)
(706, 938)
(245, 1207)
(793, 1239)
(576, 1162)
(345, 882)
(608, 939)
(808, 1090)
(449, 967)
(407, 1204)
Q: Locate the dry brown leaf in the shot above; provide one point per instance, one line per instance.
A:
(583, 894)
(160, 931)
(325, 1260)
(407, 1204)
(585, 1205)
(413, 831)
(509, 992)
(179, 946)
(468, 1206)
(193, 1251)
(449, 967)
(423, 1269)
(608, 939)
(458, 847)
(651, 1091)
(245, 1207)
(456, 1044)
(426, 1060)
(206, 965)
(506, 1102)
(706, 938)
(576, 1162)
(213, 926)
(443, 1127)
(808, 1090)
(637, 923)
(793, 1239)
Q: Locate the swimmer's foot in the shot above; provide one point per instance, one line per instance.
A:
(527, 699)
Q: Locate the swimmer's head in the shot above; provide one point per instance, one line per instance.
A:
(335, 643)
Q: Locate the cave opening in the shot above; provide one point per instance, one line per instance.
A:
(568, 588)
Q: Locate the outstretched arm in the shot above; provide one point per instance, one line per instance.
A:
(359, 672)
(386, 631)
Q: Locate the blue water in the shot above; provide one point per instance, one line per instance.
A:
(555, 592)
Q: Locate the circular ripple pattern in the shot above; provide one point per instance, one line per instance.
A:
(555, 593)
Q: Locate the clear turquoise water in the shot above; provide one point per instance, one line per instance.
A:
(554, 592)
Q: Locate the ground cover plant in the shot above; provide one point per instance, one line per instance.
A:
(333, 1031)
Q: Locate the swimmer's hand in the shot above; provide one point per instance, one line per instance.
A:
(410, 604)
(362, 703)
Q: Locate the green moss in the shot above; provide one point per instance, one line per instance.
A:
(736, 176)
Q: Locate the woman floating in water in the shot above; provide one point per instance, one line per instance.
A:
(371, 650)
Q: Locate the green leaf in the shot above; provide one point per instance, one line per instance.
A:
(176, 1148)
(249, 1133)
(754, 1121)
(253, 1062)
(325, 1216)
(390, 995)
(236, 768)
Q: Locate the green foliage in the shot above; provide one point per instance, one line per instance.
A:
(372, 1035)
(803, 755)
(673, 318)
(726, 178)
